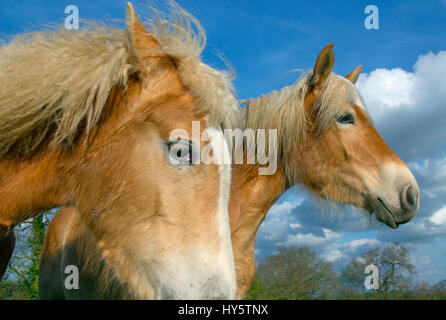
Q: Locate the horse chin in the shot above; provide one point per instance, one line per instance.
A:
(383, 214)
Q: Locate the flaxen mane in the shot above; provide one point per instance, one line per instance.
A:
(53, 85)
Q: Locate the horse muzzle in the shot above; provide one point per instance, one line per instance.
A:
(397, 207)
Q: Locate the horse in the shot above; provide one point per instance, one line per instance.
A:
(87, 120)
(327, 143)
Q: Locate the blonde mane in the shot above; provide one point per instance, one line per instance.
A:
(54, 85)
(284, 109)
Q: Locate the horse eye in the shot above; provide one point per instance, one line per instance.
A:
(180, 152)
(346, 119)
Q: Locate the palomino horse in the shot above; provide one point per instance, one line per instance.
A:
(328, 144)
(85, 120)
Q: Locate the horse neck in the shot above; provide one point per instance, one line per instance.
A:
(252, 195)
(32, 186)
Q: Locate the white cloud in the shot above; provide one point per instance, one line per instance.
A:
(439, 217)
(361, 242)
(310, 239)
(383, 89)
(285, 207)
(334, 255)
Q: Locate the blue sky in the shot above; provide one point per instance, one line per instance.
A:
(403, 84)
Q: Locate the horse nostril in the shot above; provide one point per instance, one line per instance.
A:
(409, 198)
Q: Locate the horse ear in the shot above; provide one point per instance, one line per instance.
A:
(142, 43)
(323, 65)
(354, 75)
